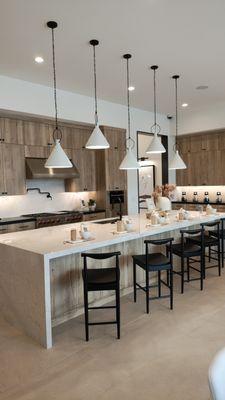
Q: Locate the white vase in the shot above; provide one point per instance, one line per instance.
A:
(163, 203)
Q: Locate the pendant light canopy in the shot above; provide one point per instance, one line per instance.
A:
(177, 162)
(57, 158)
(97, 140)
(129, 161)
(155, 146)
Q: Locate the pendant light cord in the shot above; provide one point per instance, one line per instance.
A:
(155, 128)
(154, 89)
(95, 87)
(176, 77)
(128, 99)
(54, 79)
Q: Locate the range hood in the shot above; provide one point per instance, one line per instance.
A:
(35, 169)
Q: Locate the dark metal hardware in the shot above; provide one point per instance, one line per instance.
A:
(48, 195)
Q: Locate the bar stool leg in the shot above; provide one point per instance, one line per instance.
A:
(219, 257)
(159, 283)
(201, 271)
(171, 288)
(209, 253)
(147, 290)
(188, 270)
(86, 312)
(134, 281)
(222, 248)
(182, 275)
(167, 272)
(118, 311)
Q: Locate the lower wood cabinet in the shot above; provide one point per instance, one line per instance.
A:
(12, 163)
(17, 227)
(94, 216)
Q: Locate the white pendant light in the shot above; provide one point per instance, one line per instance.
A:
(97, 140)
(177, 162)
(57, 158)
(129, 161)
(155, 146)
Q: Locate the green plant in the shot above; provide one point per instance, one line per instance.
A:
(91, 202)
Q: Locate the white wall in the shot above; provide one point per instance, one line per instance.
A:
(22, 96)
(201, 119)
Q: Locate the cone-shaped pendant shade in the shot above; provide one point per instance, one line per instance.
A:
(58, 158)
(97, 140)
(177, 162)
(156, 145)
(129, 161)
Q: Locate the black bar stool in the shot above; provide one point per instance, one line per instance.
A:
(210, 241)
(100, 279)
(222, 237)
(154, 262)
(187, 250)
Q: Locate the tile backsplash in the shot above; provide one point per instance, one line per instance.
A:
(212, 190)
(32, 202)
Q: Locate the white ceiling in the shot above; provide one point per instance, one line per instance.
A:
(185, 37)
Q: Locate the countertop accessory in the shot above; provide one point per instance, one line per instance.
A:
(155, 146)
(177, 162)
(130, 160)
(58, 157)
(97, 140)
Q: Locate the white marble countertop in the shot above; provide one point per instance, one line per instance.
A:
(50, 241)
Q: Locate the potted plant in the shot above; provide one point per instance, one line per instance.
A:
(92, 204)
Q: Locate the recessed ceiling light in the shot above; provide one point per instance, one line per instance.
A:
(185, 105)
(201, 87)
(39, 60)
(131, 88)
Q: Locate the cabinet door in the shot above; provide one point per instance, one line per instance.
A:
(3, 229)
(14, 169)
(80, 136)
(116, 138)
(2, 180)
(37, 151)
(37, 134)
(115, 178)
(22, 226)
(88, 170)
(183, 175)
(13, 131)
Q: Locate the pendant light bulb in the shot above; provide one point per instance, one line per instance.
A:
(97, 140)
(58, 157)
(177, 162)
(155, 146)
(129, 161)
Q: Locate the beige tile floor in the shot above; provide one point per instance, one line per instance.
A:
(161, 356)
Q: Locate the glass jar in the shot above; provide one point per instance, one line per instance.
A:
(206, 199)
(219, 197)
(184, 197)
(195, 197)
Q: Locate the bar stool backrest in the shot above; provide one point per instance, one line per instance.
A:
(191, 233)
(101, 256)
(159, 242)
(209, 226)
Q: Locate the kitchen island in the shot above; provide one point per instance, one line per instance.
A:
(41, 274)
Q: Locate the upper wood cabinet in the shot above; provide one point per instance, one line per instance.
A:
(116, 137)
(116, 179)
(12, 162)
(11, 131)
(203, 155)
(37, 134)
(81, 135)
(84, 160)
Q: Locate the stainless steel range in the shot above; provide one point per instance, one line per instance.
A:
(56, 218)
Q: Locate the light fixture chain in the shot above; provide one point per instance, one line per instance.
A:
(95, 87)
(54, 79)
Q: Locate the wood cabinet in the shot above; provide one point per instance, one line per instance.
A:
(204, 157)
(116, 137)
(11, 131)
(12, 162)
(37, 133)
(115, 178)
(84, 160)
(37, 151)
(21, 226)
